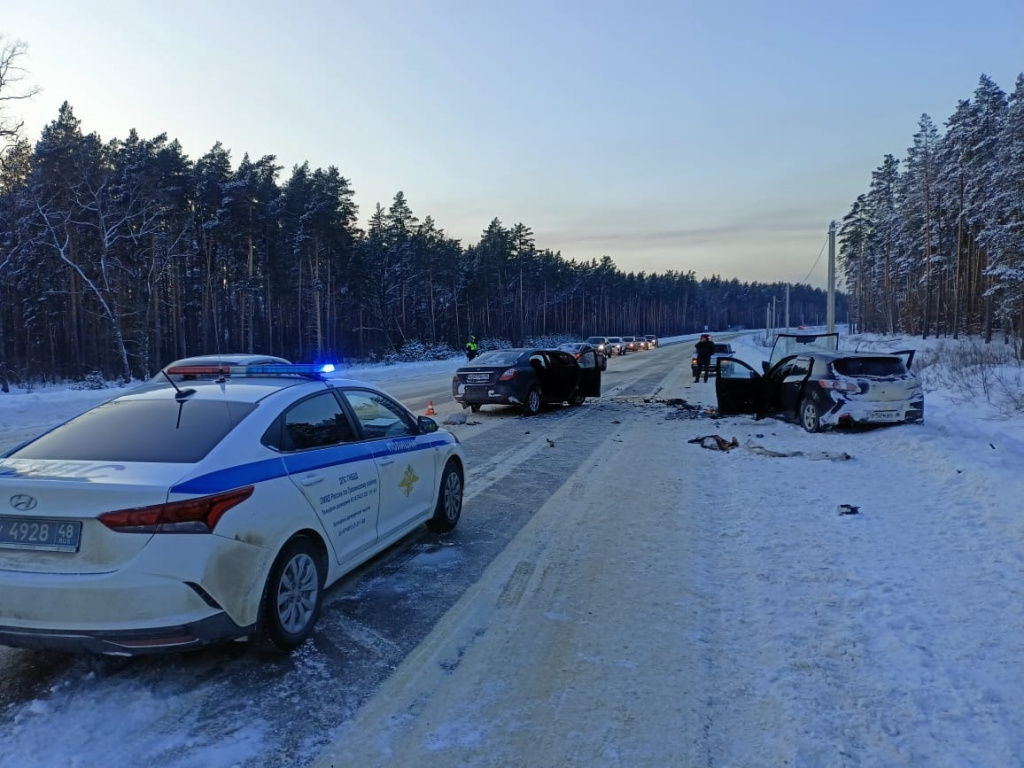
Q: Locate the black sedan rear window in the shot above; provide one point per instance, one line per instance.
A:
(161, 430)
(498, 357)
(869, 366)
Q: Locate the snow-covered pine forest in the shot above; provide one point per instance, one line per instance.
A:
(936, 245)
(118, 255)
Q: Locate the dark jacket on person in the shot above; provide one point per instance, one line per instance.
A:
(705, 349)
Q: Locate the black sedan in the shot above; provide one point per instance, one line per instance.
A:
(527, 377)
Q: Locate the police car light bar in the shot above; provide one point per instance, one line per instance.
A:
(284, 370)
(251, 370)
(199, 370)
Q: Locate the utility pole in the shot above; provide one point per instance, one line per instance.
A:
(787, 308)
(831, 312)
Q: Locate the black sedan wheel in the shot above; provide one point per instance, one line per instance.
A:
(576, 401)
(533, 401)
(810, 417)
(449, 500)
(292, 597)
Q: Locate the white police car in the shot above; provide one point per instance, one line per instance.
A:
(215, 502)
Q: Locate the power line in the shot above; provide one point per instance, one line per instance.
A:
(817, 259)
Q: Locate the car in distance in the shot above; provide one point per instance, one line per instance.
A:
(721, 350)
(215, 505)
(652, 340)
(811, 382)
(600, 343)
(528, 378)
(629, 342)
(616, 346)
(578, 348)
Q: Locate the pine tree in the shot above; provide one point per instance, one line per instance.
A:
(919, 213)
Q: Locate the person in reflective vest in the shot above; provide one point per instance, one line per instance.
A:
(471, 348)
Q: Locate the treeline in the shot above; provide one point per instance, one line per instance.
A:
(936, 246)
(119, 256)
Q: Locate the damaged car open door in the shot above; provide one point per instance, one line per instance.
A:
(739, 388)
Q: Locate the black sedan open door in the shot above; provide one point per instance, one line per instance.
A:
(739, 387)
(561, 376)
(590, 374)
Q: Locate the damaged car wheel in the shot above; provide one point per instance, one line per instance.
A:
(810, 417)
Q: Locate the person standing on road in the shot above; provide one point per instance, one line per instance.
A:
(471, 348)
(705, 349)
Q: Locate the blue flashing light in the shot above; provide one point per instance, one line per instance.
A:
(328, 368)
(276, 370)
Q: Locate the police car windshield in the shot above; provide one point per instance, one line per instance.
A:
(158, 430)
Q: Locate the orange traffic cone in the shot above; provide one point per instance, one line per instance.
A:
(430, 408)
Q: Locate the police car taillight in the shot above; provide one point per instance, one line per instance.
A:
(189, 516)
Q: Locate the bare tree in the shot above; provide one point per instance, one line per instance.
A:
(11, 74)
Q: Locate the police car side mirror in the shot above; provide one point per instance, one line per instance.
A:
(427, 425)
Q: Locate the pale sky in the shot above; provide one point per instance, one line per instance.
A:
(719, 136)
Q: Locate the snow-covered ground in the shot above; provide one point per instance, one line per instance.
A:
(736, 619)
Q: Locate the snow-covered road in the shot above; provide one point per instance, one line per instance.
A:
(679, 606)
(651, 603)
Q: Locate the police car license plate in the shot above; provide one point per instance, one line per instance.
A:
(45, 535)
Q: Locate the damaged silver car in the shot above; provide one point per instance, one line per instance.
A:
(809, 381)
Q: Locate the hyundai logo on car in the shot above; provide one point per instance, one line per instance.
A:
(23, 502)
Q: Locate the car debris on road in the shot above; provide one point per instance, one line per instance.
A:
(715, 443)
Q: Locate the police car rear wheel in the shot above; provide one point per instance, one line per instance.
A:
(292, 597)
